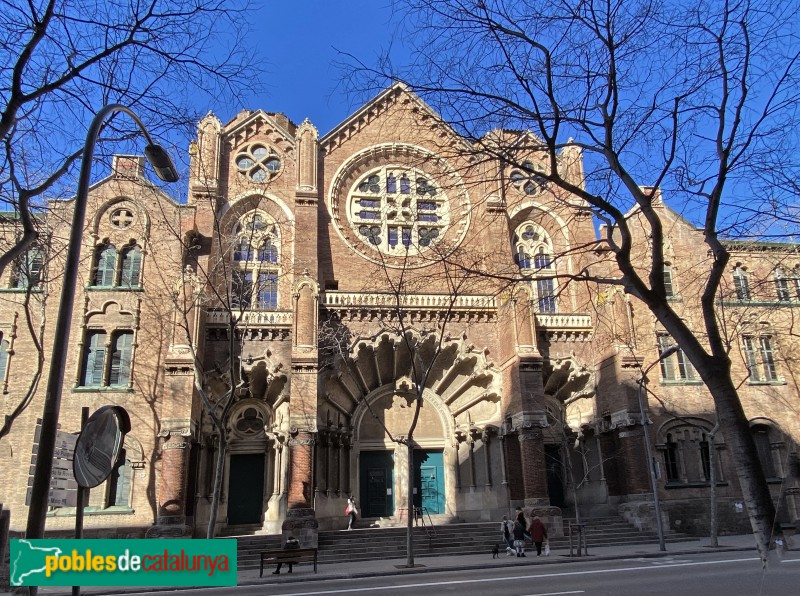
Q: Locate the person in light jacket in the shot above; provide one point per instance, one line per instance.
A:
(351, 512)
(506, 529)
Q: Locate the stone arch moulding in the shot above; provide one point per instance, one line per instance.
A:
(464, 388)
(702, 425)
(258, 194)
(106, 207)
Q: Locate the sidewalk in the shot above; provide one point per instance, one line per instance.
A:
(382, 567)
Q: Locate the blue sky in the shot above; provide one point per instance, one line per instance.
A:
(296, 46)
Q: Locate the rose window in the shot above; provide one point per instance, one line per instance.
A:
(398, 209)
(528, 178)
(258, 162)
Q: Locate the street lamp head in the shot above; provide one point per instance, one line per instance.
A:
(161, 162)
(668, 351)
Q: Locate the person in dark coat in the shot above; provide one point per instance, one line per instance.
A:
(292, 543)
(538, 533)
(519, 538)
(521, 519)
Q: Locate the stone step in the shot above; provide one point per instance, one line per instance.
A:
(362, 544)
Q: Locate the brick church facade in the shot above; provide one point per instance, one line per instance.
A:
(333, 275)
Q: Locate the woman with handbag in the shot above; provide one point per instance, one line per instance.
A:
(351, 512)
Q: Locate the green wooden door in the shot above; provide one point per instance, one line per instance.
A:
(429, 481)
(376, 483)
(246, 489)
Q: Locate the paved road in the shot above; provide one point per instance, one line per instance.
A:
(729, 574)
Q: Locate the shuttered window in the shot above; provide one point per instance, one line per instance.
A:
(94, 359)
(4, 345)
(106, 265)
(120, 371)
(131, 267)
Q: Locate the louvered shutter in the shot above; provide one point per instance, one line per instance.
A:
(120, 372)
(95, 358)
(131, 267)
(106, 261)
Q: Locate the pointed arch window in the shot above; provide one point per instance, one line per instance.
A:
(94, 359)
(131, 267)
(256, 257)
(532, 246)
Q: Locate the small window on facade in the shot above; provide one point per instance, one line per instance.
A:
(545, 293)
(705, 457)
(242, 289)
(267, 291)
(4, 347)
(761, 437)
(120, 359)
(107, 366)
(241, 251)
(741, 284)
(106, 259)
(782, 286)
(675, 367)
(542, 260)
(119, 486)
(760, 359)
(28, 273)
(669, 290)
(671, 460)
(268, 252)
(131, 267)
(94, 359)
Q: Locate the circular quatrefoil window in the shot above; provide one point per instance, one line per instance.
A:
(258, 162)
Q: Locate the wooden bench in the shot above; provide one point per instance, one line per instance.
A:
(291, 556)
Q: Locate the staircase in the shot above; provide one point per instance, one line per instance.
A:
(452, 539)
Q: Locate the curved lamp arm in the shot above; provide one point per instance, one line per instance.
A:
(165, 169)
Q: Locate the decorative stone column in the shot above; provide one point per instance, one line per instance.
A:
(300, 521)
(534, 473)
(175, 450)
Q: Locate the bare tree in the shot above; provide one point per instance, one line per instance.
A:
(61, 61)
(692, 100)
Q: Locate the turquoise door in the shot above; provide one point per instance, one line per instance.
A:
(376, 475)
(429, 481)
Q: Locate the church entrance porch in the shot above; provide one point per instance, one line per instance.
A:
(246, 488)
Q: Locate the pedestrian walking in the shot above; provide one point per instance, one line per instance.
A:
(351, 512)
(506, 529)
(519, 538)
(538, 533)
(521, 519)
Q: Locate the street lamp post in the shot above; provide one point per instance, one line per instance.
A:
(164, 169)
(651, 463)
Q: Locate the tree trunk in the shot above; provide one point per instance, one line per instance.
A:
(410, 503)
(733, 423)
(712, 480)
(217, 490)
